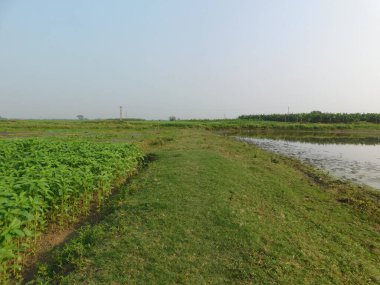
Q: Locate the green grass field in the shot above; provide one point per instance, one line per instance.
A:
(211, 210)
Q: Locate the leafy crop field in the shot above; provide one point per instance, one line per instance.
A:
(44, 181)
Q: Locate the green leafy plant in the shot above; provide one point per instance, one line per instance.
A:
(44, 182)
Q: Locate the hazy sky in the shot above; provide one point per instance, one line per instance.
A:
(191, 59)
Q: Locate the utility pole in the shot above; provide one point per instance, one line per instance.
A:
(287, 116)
(121, 113)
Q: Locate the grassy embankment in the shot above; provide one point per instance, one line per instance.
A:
(213, 210)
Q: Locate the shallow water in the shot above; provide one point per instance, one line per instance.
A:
(356, 162)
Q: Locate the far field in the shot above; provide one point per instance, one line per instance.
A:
(207, 209)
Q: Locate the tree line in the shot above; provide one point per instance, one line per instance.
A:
(316, 117)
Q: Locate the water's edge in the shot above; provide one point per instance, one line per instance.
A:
(357, 163)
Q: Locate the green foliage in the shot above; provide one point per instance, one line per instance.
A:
(317, 117)
(43, 181)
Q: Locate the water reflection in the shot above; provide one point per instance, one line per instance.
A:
(336, 137)
(348, 158)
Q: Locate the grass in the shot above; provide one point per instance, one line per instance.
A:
(242, 125)
(211, 210)
(65, 127)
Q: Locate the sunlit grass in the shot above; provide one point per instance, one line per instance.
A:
(213, 210)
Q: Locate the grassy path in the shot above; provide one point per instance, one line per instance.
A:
(210, 210)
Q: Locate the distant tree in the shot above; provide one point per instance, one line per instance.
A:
(172, 118)
(80, 117)
(317, 117)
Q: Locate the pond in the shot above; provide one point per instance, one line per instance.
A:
(356, 159)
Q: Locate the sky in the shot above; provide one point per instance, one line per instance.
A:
(189, 59)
